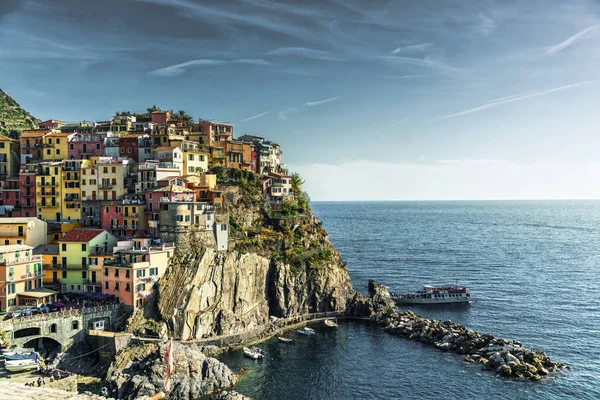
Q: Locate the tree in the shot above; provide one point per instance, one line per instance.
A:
(152, 109)
(297, 183)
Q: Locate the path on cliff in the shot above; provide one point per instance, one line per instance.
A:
(13, 390)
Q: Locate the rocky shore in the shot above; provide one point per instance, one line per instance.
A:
(507, 358)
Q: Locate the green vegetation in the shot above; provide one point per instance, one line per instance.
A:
(13, 119)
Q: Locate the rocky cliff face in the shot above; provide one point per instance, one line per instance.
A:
(280, 263)
(140, 371)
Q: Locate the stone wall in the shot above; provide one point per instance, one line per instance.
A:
(68, 384)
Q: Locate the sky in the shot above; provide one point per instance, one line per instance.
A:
(370, 100)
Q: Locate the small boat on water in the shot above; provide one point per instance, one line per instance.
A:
(15, 351)
(285, 340)
(442, 294)
(306, 331)
(21, 365)
(21, 356)
(254, 353)
(330, 323)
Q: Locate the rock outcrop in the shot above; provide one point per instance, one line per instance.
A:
(507, 358)
(139, 371)
(277, 265)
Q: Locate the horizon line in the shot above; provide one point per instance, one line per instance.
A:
(450, 200)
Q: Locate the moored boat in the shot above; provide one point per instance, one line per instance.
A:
(330, 323)
(21, 356)
(306, 331)
(16, 350)
(21, 365)
(285, 340)
(442, 294)
(254, 353)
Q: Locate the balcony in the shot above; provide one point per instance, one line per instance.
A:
(105, 186)
(27, 183)
(31, 194)
(49, 184)
(72, 200)
(20, 260)
(44, 204)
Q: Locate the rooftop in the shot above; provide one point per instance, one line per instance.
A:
(174, 189)
(14, 247)
(165, 148)
(46, 249)
(81, 235)
(35, 133)
(16, 220)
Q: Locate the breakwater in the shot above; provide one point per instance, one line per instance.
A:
(507, 358)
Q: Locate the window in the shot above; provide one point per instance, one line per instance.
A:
(116, 285)
(64, 247)
(53, 328)
(116, 272)
(106, 284)
(106, 170)
(64, 274)
(114, 170)
(105, 271)
(57, 141)
(126, 273)
(127, 287)
(75, 325)
(84, 274)
(83, 247)
(57, 151)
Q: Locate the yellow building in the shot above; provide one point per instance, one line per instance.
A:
(110, 178)
(75, 251)
(9, 157)
(122, 124)
(21, 278)
(56, 147)
(49, 191)
(50, 263)
(29, 231)
(195, 162)
(71, 190)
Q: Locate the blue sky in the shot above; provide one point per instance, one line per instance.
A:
(370, 100)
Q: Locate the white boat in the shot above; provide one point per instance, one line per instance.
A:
(254, 353)
(285, 340)
(438, 294)
(330, 323)
(21, 365)
(16, 351)
(306, 331)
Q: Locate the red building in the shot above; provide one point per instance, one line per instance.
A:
(11, 196)
(161, 117)
(28, 188)
(123, 218)
(255, 156)
(128, 147)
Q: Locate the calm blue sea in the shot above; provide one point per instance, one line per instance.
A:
(533, 269)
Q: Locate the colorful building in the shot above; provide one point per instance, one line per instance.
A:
(48, 181)
(28, 231)
(169, 156)
(9, 157)
(195, 162)
(86, 145)
(21, 278)
(277, 186)
(216, 131)
(56, 146)
(125, 218)
(50, 264)
(131, 274)
(32, 145)
(28, 192)
(51, 124)
(111, 178)
(71, 190)
(75, 250)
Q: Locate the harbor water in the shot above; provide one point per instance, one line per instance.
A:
(533, 269)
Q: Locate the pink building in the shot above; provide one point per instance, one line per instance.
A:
(27, 182)
(10, 195)
(125, 218)
(161, 117)
(165, 194)
(82, 146)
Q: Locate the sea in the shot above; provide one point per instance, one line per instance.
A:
(533, 268)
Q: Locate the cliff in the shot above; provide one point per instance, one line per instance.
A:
(280, 263)
(14, 119)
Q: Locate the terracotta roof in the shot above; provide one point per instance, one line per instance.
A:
(81, 235)
(168, 178)
(165, 148)
(4, 138)
(59, 134)
(36, 133)
(174, 189)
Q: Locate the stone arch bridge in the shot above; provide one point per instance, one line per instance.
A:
(66, 327)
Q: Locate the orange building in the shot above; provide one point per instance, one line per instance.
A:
(131, 273)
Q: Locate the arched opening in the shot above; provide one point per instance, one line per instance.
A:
(53, 328)
(75, 325)
(21, 333)
(47, 347)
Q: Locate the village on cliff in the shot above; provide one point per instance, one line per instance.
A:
(94, 208)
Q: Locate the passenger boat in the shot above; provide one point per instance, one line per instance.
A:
(330, 323)
(254, 353)
(442, 294)
(285, 340)
(306, 331)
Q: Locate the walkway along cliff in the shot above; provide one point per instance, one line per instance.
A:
(280, 263)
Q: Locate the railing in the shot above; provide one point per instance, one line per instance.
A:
(41, 204)
(57, 314)
(21, 260)
(27, 183)
(105, 186)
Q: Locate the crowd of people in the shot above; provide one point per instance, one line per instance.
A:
(52, 374)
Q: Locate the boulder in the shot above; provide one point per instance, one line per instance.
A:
(504, 370)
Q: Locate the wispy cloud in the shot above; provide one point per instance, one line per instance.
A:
(319, 102)
(403, 76)
(394, 124)
(422, 62)
(570, 41)
(510, 99)
(486, 24)
(304, 52)
(410, 49)
(283, 114)
(256, 116)
(178, 69)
